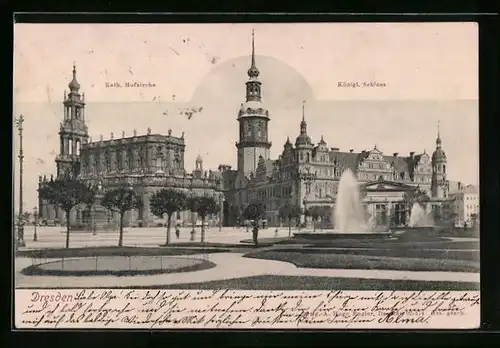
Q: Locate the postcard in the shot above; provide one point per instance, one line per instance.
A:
(246, 176)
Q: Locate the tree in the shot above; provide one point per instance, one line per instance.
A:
(67, 192)
(191, 204)
(121, 199)
(474, 218)
(205, 206)
(23, 219)
(254, 211)
(415, 196)
(167, 201)
(289, 212)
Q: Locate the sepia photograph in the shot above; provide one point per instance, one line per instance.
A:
(270, 175)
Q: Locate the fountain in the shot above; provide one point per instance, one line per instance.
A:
(349, 215)
(419, 217)
(421, 223)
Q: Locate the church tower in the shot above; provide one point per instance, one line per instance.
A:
(438, 184)
(253, 121)
(73, 131)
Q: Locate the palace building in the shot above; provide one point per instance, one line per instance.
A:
(146, 163)
(307, 173)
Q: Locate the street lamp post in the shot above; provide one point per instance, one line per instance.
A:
(35, 216)
(20, 232)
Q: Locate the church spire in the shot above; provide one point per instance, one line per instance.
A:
(253, 85)
(303, 123)
(253, 72)
(438, 139)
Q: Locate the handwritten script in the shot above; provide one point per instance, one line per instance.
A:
(236, 309)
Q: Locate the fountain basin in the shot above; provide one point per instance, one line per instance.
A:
(343, 235)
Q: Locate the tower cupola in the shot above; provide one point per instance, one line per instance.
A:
(303, 138)
(74, 86)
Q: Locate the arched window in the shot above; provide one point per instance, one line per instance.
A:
(77, 146)
(444, 168)
(301, 156)
(307, 157)
(70, 145)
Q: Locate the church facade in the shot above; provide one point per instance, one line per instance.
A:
(307, 173)
(146, 163)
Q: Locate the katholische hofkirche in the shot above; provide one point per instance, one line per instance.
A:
(306, 173)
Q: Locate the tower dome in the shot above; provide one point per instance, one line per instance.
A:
(303, 138)
(438, 154)
(74, 86)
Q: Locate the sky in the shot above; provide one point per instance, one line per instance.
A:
(426, 72)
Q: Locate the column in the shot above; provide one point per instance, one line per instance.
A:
(112, 164)
(66, 145)
(390, 209)
(149, 159)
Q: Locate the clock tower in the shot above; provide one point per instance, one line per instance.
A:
(253, 120)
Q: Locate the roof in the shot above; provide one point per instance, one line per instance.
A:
(401, 164)
(471, 189)
(348, 159)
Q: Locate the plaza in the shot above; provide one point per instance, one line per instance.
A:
(230, 266)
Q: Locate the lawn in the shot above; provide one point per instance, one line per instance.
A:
(435, 243)
(115, 251)
(362, 261)
(449, 254)
(271, 282)
(118, 266)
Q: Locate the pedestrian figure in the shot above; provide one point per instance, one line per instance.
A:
(177, 231)
(276, 232)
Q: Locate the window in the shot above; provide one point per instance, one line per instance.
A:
(399, 214)
(301, 156)
(380, 214)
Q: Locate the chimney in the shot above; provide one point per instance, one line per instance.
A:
(351, 150)
(412, 153)
(395, 154)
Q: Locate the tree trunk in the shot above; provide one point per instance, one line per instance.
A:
(255, 235)
(169, 220)
(314, 225)
(289, 227)
(67, 228)
(120, 239)
(202, 229)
